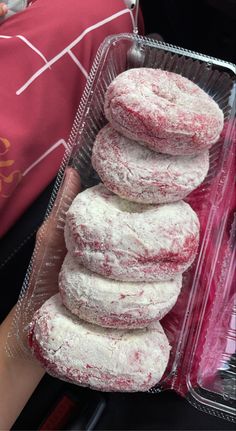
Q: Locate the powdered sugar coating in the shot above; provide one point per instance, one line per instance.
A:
(102, 359)
(115, 304)
(138, 174)
(128, 241)
(164, 110)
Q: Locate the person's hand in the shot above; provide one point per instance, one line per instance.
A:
(47, 259)
(20, 373)
(3, 9)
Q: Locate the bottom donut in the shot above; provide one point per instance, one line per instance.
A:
(100, 358)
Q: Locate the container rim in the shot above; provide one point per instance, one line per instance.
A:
(168, 47)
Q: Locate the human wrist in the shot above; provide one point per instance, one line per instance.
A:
(19, 376)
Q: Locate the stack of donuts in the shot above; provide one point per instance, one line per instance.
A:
(131, 237)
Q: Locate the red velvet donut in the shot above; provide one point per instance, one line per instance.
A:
(115, 304)
(102, 359)
(128, 241)
(139, 174)
(164, 110)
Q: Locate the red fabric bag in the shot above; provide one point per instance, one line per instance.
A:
(46, 54)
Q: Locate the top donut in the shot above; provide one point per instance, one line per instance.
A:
(167, 112)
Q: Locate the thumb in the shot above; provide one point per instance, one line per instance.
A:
(48, 256)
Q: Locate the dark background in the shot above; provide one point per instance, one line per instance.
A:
(206, 26)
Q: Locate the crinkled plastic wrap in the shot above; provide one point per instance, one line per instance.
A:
(201, 327)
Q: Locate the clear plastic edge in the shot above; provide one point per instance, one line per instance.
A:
(136, 39)
(195, 398)
(198, 401)
(13, 348)
(201, 398)
(172, 48)
(170, 382)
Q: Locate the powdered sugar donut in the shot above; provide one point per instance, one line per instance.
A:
(139, 174)
(129, 241)
(164, 110)
(115, 304)
(102, 359)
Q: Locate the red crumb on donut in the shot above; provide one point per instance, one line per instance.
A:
(112, 303)
(102, 359)
(139, 174)
(143, 242)
(164, 110)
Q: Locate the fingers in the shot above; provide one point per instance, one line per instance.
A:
(50, 246)
(69, 189)
(54, 225)
(48, 254)
(3, 9)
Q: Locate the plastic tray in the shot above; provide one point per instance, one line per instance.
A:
(201, 326)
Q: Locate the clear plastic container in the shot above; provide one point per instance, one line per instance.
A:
(201, 327)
